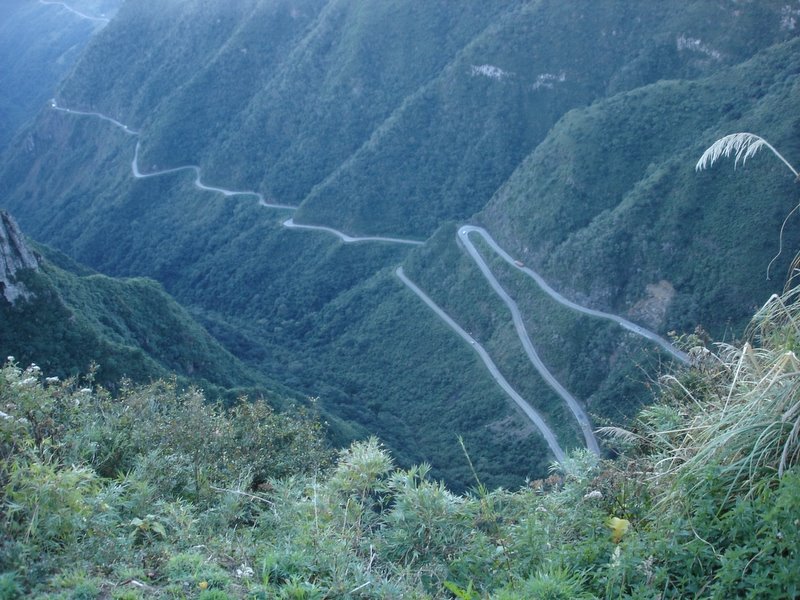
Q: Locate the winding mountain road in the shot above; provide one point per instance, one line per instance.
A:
(198, 183)
(463, 235)
(138, 174)
(573, 404)
(75, 12)
(348, 239)
(529, 411)
(632, 327)
(522, 333)
(54, 105)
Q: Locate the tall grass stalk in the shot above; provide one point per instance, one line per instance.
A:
(747, 424)
(743, 146)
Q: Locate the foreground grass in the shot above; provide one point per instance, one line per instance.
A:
(158, 494)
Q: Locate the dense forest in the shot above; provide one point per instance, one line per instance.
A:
(399, 299)
(158, 493)
(568, 130)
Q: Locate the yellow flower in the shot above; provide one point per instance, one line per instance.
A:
(203, 585)
(619, 527)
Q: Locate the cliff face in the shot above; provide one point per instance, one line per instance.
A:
(14, 255)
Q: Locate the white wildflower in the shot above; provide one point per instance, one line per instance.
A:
(741, 145)
(593, 495)
(615, 557)
(244, 571)
(51, 379)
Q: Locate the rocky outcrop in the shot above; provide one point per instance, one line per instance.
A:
(652, 309)
(14, 255)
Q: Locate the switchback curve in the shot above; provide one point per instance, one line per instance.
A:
(526, 408)
(463, 236)
(75, 12)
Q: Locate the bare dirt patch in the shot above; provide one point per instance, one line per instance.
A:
(651, 309)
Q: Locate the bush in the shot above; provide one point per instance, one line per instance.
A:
(50, 505)
(221, 503)
(9, 587)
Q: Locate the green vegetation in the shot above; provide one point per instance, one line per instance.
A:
(444, 150)
(162, 495)
(38, 46)
(604, 215)
(576, 122)
(76, 320)
(96, 487)
(388, 385)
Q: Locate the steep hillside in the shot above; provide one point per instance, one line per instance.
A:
(65, 320)
(189, 132)
(611, 211)
(445, 150)
(431, 108)
(613, 190)
(39, 44)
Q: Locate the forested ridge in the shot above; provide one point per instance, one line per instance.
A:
(285, 274)
(76, 322)
(568, 131)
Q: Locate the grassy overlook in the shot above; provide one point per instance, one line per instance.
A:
(327, 106)
(702, 500)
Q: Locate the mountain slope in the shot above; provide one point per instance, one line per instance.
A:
(609, 209)
(67, 319)
(630, 206)
(39, 44)
(401, 119)
(449, 146)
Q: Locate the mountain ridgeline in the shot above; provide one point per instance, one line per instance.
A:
(568, 130)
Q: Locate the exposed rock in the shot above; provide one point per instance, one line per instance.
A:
(652, 309)
(14, 255)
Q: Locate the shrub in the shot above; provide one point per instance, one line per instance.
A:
(9, 587)
(49, 504)
(555, 584)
